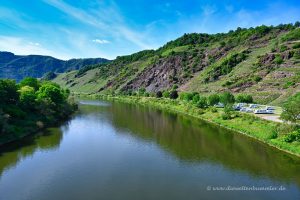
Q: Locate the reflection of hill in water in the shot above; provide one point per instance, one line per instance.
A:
(11, 154)
(188, 139)
(194, 141)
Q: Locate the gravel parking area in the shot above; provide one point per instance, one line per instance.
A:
(275, 118)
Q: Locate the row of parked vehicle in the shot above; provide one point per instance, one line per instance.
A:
(251, 108)
(254, 108)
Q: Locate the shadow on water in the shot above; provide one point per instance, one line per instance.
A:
(47, 140)
(193, 141)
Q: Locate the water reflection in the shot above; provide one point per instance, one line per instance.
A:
(192, 140)
(124, 151)
(47, 140)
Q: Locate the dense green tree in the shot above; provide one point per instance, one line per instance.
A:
(244, 98)
(196, 98)
(22, 107)
(240, 99)
(3, 122)
(227, 98)
(248, 99)
(32, 82)
(51, 92)
(262, 30)
(27, 96)
(213, 99)
(202, 103)
(291, 109)
(186, 96)
(8, 92)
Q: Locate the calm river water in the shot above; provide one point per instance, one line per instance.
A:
(118, 151)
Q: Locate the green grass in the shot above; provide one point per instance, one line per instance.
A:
(176, 50)
(246, 124)
(88, 83)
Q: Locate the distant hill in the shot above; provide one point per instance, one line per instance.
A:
(17, 67)
(263, 61)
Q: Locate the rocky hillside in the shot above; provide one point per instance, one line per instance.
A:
(262, 61)
(17, 67)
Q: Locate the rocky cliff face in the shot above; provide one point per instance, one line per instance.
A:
(175, 69)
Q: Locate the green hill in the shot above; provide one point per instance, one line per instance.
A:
(262, 61)
(18, 67)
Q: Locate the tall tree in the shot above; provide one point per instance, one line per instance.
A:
(291, 109)
(227, 98)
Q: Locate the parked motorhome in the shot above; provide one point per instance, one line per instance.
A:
(248, 110)
(263, 111)
(253, 106)
(239, 106)
(270, 108)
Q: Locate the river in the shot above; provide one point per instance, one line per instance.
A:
(111, 150)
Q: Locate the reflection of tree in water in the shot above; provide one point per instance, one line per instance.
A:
(188, 139)
(192, 140)
(11, 154)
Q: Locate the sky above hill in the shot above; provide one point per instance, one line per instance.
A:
(90, 28)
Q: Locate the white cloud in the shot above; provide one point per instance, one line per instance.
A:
(99, 41)
(82, 46)
(106, 18)
(35, 43)
(20, 46)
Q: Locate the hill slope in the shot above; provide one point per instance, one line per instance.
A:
(17, 67)
(262, 61)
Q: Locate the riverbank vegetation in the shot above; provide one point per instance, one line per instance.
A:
(284, 136)
(31, 105)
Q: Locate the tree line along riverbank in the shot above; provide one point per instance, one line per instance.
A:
(30, 106)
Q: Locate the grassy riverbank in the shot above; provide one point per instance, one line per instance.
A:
(271, 133)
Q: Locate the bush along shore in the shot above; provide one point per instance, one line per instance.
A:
(283, 136)
(30, 106)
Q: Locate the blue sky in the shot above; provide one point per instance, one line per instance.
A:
(90, 28)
